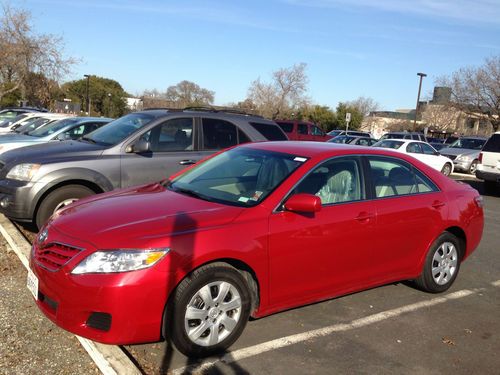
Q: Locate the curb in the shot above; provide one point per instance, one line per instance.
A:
(110, 359)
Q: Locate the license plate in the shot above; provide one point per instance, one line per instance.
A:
(32, 283)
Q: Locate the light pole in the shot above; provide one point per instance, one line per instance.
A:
(422, 75)
(88, 95)
(110, 104)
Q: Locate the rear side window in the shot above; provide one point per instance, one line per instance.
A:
(316, 131)
(286, 126)
(392, 177)
(270, 131)
(493, 144)
(302, 128)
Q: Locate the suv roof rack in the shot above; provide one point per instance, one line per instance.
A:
(235, 111)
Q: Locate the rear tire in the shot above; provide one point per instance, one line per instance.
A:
(208, 310)
(59, 198)
(442, 264)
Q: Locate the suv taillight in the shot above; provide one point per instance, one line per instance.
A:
(480, 157)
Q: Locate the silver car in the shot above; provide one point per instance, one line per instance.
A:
(465, 153)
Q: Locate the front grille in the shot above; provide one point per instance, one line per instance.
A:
(47, 301)
(55, 255)
(452, 157)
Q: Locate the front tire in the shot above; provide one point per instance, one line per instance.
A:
(59, 198)
(442, 264)
(473, 167)
(446, 169)
(208, 311)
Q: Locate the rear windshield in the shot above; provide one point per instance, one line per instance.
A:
(493, 144)
(44, 131)
(393, 136)
(388, 144)
(270, 131)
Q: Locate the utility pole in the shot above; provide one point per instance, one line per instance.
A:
(422, 75)
(88, 95)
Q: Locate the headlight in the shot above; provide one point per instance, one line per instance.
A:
(23, 172)
(464, 158)
(123, 260)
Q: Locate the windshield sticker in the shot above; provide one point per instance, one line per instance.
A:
(243, 199)
(256, 195)
(300, 159)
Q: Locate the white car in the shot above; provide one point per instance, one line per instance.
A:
(421, 151)
(488, 168)
(9, 125)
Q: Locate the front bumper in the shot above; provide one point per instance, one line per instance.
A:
(17, 199)
(119, 308)
(461, 166)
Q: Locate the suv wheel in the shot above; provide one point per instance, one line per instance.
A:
(58, 199)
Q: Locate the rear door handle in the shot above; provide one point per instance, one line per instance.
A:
(187, 162)
(365, 216)
(438, 204)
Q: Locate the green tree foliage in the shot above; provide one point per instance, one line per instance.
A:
(356, 116)
(321, 115)
(107, 97)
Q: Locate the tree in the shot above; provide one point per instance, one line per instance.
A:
(107, 96)
(23, 52)
(321, 115)
(356, 116)
(441, 117)
(187, 93)
(364, 105)
(476, 90)
(284, 94)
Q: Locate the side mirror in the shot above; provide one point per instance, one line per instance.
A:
(63, 137)
(437, 153)
(139, 147)
(307, 203)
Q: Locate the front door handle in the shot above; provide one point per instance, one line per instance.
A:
(187, 162)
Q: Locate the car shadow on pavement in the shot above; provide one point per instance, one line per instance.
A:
(481, 188)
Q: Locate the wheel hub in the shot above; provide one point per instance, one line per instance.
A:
(213, 312)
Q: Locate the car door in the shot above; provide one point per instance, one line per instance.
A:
(302, 132)
(410, 211)
(329, 251)
(317, 134)
(172, 148)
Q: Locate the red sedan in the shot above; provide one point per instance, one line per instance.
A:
(254, 230)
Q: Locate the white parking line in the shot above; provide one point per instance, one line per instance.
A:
(251, 351)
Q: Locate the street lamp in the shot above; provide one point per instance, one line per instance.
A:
(421, 75)
(88, 96)
(110, 104)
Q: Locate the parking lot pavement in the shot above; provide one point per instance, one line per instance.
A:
(392, 329)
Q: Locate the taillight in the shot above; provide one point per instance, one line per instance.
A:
(479, 201)
(480, 157)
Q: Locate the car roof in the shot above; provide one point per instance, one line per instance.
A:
(312, 149)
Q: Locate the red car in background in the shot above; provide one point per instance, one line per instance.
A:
(302, 131)
(254, 230)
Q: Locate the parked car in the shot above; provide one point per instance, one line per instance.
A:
(353, 140)
(357, 133)
(140, 147)
(437, 146)
(8, 126)
(257, 229)
(488, 168)
(11, 112)
(465, 153)
(421, 151)
(66, 129)
(302, 131)
(404, 135)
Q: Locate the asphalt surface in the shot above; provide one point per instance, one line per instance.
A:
(392, 329)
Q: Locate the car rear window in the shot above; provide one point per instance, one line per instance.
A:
(270, 131)
(493, 144)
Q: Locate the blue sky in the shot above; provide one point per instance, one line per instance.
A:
(352, 48)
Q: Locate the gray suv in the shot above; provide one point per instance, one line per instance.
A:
(138, 148)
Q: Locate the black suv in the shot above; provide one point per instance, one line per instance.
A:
(138, 148)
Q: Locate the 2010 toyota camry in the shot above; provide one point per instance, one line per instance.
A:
(252, 231)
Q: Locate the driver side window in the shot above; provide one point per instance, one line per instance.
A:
(172, 135)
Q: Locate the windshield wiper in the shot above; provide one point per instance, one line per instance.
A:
(189, 192)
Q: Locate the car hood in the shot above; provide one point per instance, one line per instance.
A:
(51, 152)
(138, 216)
(459, 151)
(10, 138)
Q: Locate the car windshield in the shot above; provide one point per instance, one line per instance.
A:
(388, 144)
(469, 143)
(32, 124)
(334, 133)
(51, 128)
(6, 123)
(239, 177)
(119, 129)
(342, 139)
